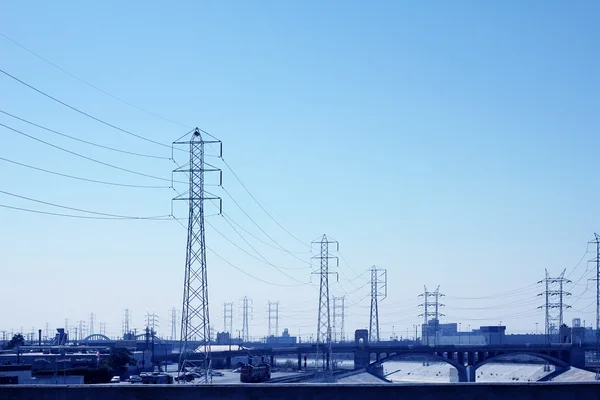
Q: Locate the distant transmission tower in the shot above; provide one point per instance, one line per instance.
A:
(173, 323)
(103, 328)
(339, 314)
(228, 318)
(378, 289)
(324, 321)
(195, 320)
(152, 321)
(47, 332)
(127, 322)
(273, 318)
(92, 319)
(427, 312)
(82, 327)
(246, 315)
(554, 290)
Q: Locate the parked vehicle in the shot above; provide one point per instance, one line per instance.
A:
(255, 373)
(135, 379)
(115, 379)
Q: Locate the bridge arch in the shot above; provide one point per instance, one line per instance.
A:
(462, 371)
(142, 336)
(546, 357)
(96, 336)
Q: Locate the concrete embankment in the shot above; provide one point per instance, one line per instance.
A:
(491, 391)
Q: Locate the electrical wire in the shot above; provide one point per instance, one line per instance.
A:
(86, 157)
(79, 209)
(83, 112)
(81, 140)
(82, 179)
(91, 85)
(79, 216)
(259, 204)
(261, 229)
(239, 269)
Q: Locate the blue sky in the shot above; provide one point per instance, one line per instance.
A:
(453, 144)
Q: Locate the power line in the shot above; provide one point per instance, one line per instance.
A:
(86, 157)
(259, 204)
(81, 140)
(237, 268)
(91, 85)
(83, 112)
(79, 209)
(79, 216)
(82, 179)
(261, 229)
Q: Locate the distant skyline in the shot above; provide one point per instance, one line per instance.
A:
(451, 144)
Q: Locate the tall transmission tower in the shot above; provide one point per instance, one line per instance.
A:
(273, 318)
(428, 312)
(127, 322)
(228, 318)
(195, 320)
(103, 328)
(246, 315)
(324, 320)
(92, 320)
(554, 290)
(339, 313)
(378, 289)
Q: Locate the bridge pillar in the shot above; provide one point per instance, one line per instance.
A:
(361, 352)
(377, 357)
(470, 358)
(227, 362)
(272, 360)
(299, 362)
(460, 358)
(470, 372)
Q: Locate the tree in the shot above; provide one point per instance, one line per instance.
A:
(119, 359)
(17, 340)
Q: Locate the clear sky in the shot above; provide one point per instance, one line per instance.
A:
(452, 143)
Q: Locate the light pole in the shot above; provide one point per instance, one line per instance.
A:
(536, 328)
(392, 332)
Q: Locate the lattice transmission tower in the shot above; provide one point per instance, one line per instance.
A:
(273, 318)
(378, 290)
(596, 260)
(324, 320)
(195, 319)
(246, 316)
(92, 320)
(339, 314)
(554, 295)
(228, 318)
(429, 312)
(127, 322)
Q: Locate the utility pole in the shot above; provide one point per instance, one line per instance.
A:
(92, 318)
(228, 318)
(339, 313)
(554, 288)
(273, 318)
(127, 322)
(324, 321)
(378, 289)
(195, 320)
(47, 333)
(427, 304)
(246, 315)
